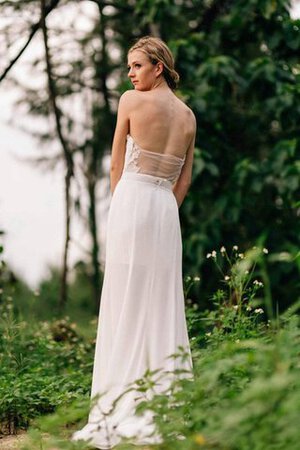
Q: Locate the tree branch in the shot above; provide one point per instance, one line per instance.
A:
(53, 94)
(34, 29)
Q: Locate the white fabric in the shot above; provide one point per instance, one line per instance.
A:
(142, 317)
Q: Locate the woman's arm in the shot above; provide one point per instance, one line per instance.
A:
(183, 183)
(119, 140)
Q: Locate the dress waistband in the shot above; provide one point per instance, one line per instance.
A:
(158, 181)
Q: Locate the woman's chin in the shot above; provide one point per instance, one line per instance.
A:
(140, 88)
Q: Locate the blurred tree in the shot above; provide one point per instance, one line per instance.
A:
(67, 155)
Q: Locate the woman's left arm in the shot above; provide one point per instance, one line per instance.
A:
(184, 181)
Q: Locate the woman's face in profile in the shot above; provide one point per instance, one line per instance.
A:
(141, 71)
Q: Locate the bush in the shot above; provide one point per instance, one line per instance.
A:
(42, 366)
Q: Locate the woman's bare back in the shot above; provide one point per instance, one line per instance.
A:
(160, 122)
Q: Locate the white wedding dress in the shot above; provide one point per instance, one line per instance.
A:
(142, 313)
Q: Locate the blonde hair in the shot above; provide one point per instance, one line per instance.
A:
(158, 51)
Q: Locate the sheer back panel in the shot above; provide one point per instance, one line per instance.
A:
(139, 160)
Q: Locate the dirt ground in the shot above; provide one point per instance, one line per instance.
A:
(12, 442)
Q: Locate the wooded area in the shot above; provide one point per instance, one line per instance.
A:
(239, 69)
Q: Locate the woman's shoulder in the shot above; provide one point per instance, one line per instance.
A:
(130, 100)
(184, 106)
(187, 112)
(131, 95)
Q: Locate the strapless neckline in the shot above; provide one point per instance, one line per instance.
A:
(155, 153)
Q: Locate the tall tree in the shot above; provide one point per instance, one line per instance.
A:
(67, 155)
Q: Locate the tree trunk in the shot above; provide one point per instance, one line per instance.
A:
(67, 154)
(96, 278)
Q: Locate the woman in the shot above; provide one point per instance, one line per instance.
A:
(142, 318)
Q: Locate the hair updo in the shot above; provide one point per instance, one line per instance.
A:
(158, 51)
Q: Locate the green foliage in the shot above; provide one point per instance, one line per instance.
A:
(240, 75)
(42, 365)
(236, 311)
(245, 394)
(42, 303)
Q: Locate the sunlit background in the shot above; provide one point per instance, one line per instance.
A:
(31, 199)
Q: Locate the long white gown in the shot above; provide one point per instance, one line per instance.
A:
(142, 315)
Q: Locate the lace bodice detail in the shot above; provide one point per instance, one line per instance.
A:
(151, 163)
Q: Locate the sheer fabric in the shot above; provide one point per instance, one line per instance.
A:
(143, 161)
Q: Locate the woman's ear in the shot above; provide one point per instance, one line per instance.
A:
(159, 68)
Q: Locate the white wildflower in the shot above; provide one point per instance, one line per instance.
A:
(241, 255)
(222, 249)
(235, 307)
(208, 255)
(235, 247)
(208, 334)
(265, 250)
(237, 341)
(226, 278)
(246, 272)
(248, 308)
(259, 311)
(196, 278)
(214, 254)
(258, 283)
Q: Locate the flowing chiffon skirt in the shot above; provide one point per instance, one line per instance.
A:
(142, 317)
